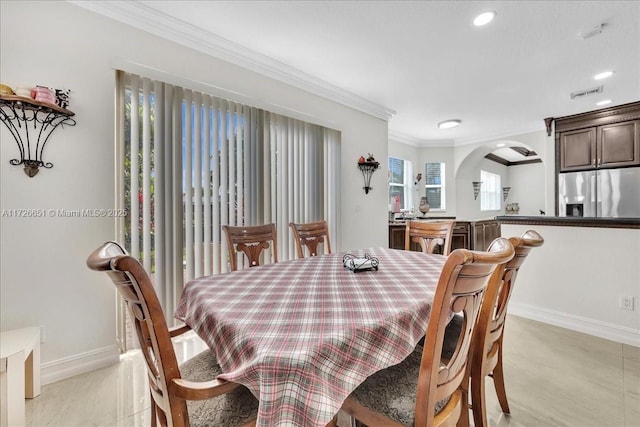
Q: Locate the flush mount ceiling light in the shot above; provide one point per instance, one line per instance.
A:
(603, 102)
(502, 144)
(484, 18)
(603, 75)
(448, 124)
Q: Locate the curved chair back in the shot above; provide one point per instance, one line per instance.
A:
(461, 287)
(251, 240)
(487, 353)
(429, 235)
(311, 235)
(134, 285)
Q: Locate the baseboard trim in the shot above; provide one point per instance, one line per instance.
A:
(67, 367)
(621, 334)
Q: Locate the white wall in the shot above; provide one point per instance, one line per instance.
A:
(527, 188)
(468, 172)
(530, 184)
(44, 280)
(577, 277)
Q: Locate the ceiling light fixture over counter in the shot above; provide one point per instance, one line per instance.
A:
(484, 18)
(448, 124)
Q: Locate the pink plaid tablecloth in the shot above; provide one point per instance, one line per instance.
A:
(303, 334)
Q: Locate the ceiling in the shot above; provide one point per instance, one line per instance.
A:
(421, 62)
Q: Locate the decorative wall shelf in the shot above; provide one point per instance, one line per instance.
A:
(31, 123)
(367, 168)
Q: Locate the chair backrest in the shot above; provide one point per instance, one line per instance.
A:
(251, 240)
(429, 235)
(134, 285)
(460, 290)
(310, 235)
(494, 306)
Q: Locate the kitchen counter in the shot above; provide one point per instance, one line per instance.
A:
(633, 223)
(403, 220)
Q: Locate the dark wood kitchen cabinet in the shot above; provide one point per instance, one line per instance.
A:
(484, 232)
(608, 138)
(396, 236)
(460, 235)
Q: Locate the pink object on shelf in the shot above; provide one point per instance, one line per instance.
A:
(44, 94)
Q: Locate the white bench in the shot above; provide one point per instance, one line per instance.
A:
(19, 373)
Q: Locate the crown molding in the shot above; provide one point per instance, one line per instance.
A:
(403, 138)
(147, 19)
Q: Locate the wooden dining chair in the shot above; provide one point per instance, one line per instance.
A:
(426, 389)
(251, 240)
(311, 234)
(486, 357)
(183, 395)
(430, 236)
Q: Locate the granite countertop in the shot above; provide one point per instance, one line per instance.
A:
(571, 221)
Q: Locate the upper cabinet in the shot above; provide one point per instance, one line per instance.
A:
(608, 138)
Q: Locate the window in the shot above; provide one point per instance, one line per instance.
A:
(399, 177)
(191, 162)
(490, 191)
(434, 185)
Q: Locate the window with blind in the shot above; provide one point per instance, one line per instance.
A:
(435, 185)
(191, 162)
(399, 177)
(490, 191)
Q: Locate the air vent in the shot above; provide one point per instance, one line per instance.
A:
(586, 92)
(592, 32)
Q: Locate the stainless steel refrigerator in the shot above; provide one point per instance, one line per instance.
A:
(606, 193)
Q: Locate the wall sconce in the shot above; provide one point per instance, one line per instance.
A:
(476, 188)
(21, 114)
(367, 166)
(418, 179)
(505, 193)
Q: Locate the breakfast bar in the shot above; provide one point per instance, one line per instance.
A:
(581, 277)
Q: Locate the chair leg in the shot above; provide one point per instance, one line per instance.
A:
(463, 421)
(154, 420)
(498, 381)
(478, 400)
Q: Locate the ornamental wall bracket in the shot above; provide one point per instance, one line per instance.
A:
(548, 122)
(31, 123)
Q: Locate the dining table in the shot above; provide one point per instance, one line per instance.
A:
(302, 334)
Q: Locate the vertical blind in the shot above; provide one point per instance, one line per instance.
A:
(192, 162)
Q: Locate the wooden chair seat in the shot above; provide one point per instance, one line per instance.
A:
(426, 389)
(486, 358)
(183, 395)
(392, 391)
(233, 409)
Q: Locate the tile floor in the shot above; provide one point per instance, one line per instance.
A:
(555, 377)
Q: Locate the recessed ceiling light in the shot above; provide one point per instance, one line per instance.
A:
(448, 124)
(603, 75)
(604, 102)
(502, 144)
(484, 18)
